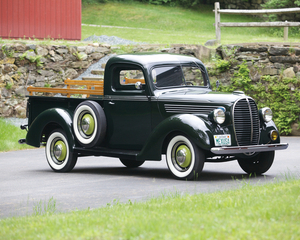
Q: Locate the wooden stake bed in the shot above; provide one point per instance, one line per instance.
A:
(93, 87)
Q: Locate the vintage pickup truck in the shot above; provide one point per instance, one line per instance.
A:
(146, 106)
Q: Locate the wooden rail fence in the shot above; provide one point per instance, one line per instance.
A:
(286, 24)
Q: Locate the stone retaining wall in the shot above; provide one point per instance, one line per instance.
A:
(262, 59)
(281, 61)
(22, 65)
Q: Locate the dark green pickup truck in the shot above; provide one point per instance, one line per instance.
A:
(149, 105)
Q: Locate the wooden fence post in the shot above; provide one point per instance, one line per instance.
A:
(217, 22)
(285, 32)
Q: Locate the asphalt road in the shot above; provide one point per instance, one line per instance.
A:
(26, 180)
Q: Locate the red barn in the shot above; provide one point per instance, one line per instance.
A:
(58, 19)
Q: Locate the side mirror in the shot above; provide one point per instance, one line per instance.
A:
(138, 85)
(217, 84)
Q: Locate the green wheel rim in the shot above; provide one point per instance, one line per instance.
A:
(60, 150)
(183, 156)
(88, 124)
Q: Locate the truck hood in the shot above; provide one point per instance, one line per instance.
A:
(201, 96)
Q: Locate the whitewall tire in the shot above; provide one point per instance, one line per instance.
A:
(185, 160)
(89, 124)
(58, 154)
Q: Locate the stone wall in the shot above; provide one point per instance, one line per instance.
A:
(262, 59)
(22, 65)
(280, 61)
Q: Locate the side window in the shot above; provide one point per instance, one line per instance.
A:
(131, 77)
(126, 76)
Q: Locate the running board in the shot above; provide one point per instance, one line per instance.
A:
(107, 152)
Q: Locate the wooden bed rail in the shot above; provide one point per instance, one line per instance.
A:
(93, 88)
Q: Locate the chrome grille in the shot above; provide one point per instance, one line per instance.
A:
(189, 109)
(246, 122)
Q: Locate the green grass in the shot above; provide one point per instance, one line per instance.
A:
(9, 136)
(251, 212)
(168, 25)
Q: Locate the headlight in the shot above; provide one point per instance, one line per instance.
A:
(266, 114)
(219, 115)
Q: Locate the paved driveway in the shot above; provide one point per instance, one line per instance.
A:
(26, 180)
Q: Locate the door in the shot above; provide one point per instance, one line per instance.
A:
(128, 109)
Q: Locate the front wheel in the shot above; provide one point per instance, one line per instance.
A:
(184, 159)
(131, 163)
(258, 164)
(58, 153)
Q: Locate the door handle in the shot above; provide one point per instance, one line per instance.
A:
(111, 103)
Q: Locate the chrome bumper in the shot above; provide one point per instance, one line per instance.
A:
(250, 148)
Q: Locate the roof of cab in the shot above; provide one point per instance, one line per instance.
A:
(150, 59)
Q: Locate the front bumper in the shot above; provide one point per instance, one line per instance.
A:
(250, 148)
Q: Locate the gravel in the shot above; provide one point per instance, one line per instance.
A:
(16, 121)
(113, 40)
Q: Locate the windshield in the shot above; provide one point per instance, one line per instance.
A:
(184, 75)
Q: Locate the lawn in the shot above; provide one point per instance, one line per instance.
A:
(168, 25)
(9, 136)
(251, 212)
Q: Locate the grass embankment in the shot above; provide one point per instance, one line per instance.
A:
(9, 136)
(166, 25)
(252, 212)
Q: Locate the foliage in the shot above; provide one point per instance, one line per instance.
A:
(7, 51)
(281, 95)
(183, 3)
(284, 102)
(270, 211)
(274, 4)
(34, 59)
(37, 60)
(79, 56)
(222, 65)
(9, 85)
(45, 208)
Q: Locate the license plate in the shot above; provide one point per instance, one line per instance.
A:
(222, 140)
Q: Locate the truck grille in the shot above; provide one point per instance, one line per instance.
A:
(246, 122)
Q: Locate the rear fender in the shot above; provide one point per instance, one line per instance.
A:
(190, 125)
(58, 117)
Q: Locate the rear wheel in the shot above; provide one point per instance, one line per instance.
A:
(58, 153)
(185, 160)
(131, 163)
(258, 164)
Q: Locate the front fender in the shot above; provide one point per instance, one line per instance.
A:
(55, 116)
(265, 133)
(190, 125)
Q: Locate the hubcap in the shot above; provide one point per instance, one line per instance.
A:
(87, 124)
(183, 156)
(60, 150)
